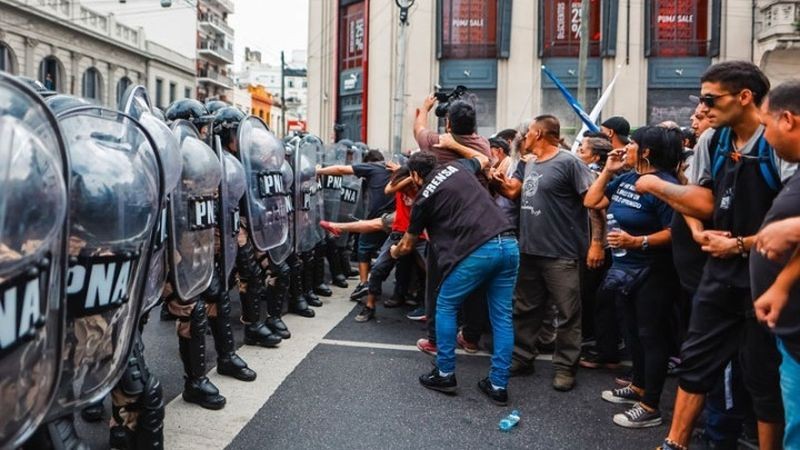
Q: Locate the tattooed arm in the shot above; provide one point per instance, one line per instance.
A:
(690, 200)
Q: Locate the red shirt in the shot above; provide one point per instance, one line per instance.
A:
(402, 216)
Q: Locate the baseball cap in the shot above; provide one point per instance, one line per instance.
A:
(620, 126)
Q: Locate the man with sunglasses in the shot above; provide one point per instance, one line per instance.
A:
(735, 175)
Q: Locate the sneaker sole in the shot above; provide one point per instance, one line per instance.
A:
(621, 420)
(427, 352)
(611, 398)
(417, 319)
(445, 390)
(496, 402)
(363, 319)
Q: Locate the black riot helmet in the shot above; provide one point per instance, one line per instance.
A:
(188, 109)
(226, 122)
(215, 105)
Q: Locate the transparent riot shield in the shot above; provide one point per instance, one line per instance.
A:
(231, 190)
(33, 227)
(306, 198)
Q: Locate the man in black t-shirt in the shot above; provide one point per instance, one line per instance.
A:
(734, 194)
(775, 268)
(376, 177)
(476, 247)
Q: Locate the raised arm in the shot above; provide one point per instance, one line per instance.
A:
(421, 119)
(689, 200)
(335, 170)
(446, 141)
(394, 187)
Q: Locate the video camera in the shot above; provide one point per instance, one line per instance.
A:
(445, 98)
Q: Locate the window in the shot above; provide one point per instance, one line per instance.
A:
(561, 23)
(160, 93)
(305, 83)
(469, 29)
(91, 84)
(187, 92)
(50, 73)
(352, 36)
(291, 83)
(173, 88)
(678, 28)
(7, 62)
(122, 86)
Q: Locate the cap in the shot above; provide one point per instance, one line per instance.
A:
(620, 126)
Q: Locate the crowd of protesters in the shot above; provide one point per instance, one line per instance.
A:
(673, 247)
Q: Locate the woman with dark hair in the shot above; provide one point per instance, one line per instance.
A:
(641, 275)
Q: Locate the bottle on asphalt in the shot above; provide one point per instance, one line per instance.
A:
(510, 421)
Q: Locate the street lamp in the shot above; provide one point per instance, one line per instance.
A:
(400, 79)
(404, 5)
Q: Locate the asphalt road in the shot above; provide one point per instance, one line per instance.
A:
(341, 384)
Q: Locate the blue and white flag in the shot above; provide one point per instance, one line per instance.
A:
(576, 106)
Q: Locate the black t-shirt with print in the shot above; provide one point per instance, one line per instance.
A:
(376, 176)
(457, 212)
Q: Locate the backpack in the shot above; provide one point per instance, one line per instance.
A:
(720, 146)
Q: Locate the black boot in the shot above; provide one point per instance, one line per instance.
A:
(335, 264)
(277, 291)
(166, 316)
(308, 280)
(255, 331)
(228, 362)
(297, 301)
(344, 258)
(320, 288)
(197, 388)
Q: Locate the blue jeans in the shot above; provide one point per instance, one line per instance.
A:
(494, 266)
(790, 386)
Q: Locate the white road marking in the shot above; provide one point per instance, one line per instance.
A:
(379, 346)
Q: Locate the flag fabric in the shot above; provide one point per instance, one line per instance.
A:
(576, 106)
(598, 108)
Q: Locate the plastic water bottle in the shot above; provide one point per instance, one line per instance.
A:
(510, 421)
(613, 225)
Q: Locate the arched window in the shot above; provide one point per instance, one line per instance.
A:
(91, 84)
(8, 62)
(122, 86)
(50, 73)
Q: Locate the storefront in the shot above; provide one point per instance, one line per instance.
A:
(471, 36)
(352, 70)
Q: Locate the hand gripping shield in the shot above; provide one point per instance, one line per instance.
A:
(306, 199)
(193, 214)
(262, 155)
(279, 254)
(231, 190)
(116, 193)
(33, 229)
(136, 103)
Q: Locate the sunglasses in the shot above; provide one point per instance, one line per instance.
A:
(710, 100)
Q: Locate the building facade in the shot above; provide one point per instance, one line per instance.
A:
(256, 72)
(82, 51)
(496, 48)
(214, 50)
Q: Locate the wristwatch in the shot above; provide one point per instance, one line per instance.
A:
(645, 243)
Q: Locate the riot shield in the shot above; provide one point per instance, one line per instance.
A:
(116, 193)
(33, 227)
(331, 185)
(262, 155)
(192, 214)
(136, 103)
(350, 205)
(281, 252)
(306, 200)
(231, 191)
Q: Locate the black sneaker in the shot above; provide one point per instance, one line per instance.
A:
(439, 383)
(638, 417)
(497, 396)
(360, 291)
(624, 395)
(366, 314)
(417, 315)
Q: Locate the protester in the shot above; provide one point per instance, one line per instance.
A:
(377, 176)
(775, 267)
(618, 130)
(405, 192)
(739, 176)
(461, 123)
(642, 275)
(476, 247)
(553, 237)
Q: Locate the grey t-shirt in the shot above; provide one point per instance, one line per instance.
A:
(552, 220)
(699, 171)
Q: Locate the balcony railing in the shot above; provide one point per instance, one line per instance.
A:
(217, 50)
(779, 21)
(215, 22)
(214, 76)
